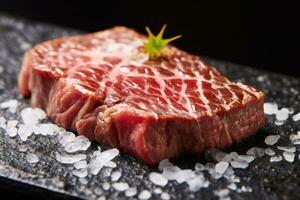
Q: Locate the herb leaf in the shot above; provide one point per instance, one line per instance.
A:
(155, 45)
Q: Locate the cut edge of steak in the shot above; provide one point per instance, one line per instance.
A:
(110, 118)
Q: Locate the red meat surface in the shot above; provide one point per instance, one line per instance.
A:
(103, 86)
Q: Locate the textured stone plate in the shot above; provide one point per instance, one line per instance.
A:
(49, 178)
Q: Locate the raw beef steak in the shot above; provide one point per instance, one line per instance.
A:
(103, 86)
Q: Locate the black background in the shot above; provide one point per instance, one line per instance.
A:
(262, 34)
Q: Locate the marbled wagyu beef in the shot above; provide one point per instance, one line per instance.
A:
(102, 86)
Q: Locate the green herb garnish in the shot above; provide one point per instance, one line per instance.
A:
(155, 45)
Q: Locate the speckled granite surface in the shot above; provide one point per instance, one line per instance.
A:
(49, 178)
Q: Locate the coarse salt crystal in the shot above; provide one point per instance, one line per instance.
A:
(2, 122)
(145, 194)
(197, 182)
(239, 164)
(157, 191)
(222, 193)
(282, 114)
(110, 164)
(32, 158)
(115, 175)
(81, 173)
(269, 152)
(295, 138)
(22, 148)
(272, 139)
(184, 175)
(120, 186)
(288, 156)
(270, 108)
(108, 155)
(247, 158)
(12, 131)
(165, 196)
(158, 179)
(80, 164)
(164, 163)
(171, 172)
(11, 105)
(80, 143)
(105, 186)
(130, 192)
(287, 148)
(12, 123)
(66, 137)
(69, 159)
(24, 132)
(276, 158)
(221, 167)
(296, 117)
(232, 186)
(32, 116)
(257, 152)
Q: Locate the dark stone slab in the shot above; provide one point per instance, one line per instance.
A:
(51, 179)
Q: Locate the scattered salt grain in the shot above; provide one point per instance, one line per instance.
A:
(272, 139)
(276, 158)
(46, 129)
(110, 164)
(130, 192)
(257, 152)
(184, 175)
(95, 166)
(158, 179)
(221, 167)
(80, 143)
(115, 175)
(164, 163)
(290, 149)
(107, 155)
(269, 152)
(11, 105)
(282, 114)
(12, 131)
(288, 156)
(197, 182)
(270, 108)
(69, 159)
(105, 186)
(120, 186)
(80, 164)
(247, 158)
(31, 116)
(32, 158)
(106, 172)
(232, 186)
(165, 196)
(144, 195)
(66, 137)
(22, 148)
(171, 172)
(244, 189)
(81, 173)
(295, 138)
(296, 117)
(2, 122)
(157, 191)
(222, 193)
(12, 123)
(24, 132)
(239, 164)
(278, 123)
